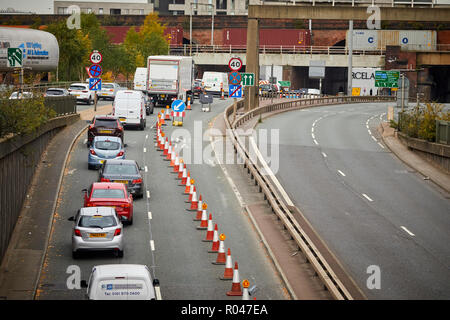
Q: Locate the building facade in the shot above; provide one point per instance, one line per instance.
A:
(112, 8)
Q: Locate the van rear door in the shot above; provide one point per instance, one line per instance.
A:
(124, 288)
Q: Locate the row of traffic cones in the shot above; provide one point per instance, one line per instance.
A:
(199, 207)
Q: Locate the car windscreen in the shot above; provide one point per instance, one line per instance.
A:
(108, 193)
(107, 145)
(97, 221)
(77, 88)
(106, 123)
(107, 85)
(123, 169)
(55, 92)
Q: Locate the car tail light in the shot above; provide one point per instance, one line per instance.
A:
(120, 154)
(137, 181)
(85, 91)
(104, 180)
(126, 205)
(110, 90)
(117, 232)
(90, 205)
(77, 232)
(92, 152)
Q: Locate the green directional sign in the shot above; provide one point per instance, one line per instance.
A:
(15, 58)
(386, 79)
(247, 79)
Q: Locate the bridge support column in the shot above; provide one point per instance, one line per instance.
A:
(252, 64)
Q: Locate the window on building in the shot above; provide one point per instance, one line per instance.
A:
(126, 11)
(221, 4)
(141, 11)
(114, 11)
(62, 10)
(89, 10)
(100, 10)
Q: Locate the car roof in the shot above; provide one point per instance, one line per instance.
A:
(79, 84)
(109, 138)
(92, 211)
(108, 185)
(56, 89)
(117, 270)
(118, 161)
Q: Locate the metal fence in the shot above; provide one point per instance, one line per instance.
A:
(62, 105)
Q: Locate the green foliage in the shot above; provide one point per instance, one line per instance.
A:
(22, 116)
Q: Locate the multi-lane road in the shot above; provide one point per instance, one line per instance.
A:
(374, 212)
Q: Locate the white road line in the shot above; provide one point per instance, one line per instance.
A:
(315, 141)
(407, 231)
(146, 169)
(313, 136)
(380, 145)
(145, 149)
(152, 245)
(149, 214)
(370, 132)
(148, 194)
(324, 154)
(367, 197)
(342, 174)
(146, 136)
(85, 141)
(374, 139)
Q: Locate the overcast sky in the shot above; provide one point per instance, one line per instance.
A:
(46, 6)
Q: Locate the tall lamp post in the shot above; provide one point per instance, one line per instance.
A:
(190, 23)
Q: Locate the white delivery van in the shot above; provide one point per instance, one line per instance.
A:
(140, 79)
(129, 108)
(213, 81)
(121, 282)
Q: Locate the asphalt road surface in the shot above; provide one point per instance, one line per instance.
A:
(374, 212)
(163, 235)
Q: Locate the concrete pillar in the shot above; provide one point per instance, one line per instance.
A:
(252, 63)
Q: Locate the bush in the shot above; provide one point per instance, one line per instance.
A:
(22, 116)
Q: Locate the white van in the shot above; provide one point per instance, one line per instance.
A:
(140, 79)
(121, 282)
(212, 82)
(129, 107)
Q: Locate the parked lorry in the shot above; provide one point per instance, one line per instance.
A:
(169, 78)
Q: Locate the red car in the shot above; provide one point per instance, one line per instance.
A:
(111, 194)
(104, 126)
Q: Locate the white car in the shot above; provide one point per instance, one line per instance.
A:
(121, 282)
(82, 93)
(22, 95)
(109, 90)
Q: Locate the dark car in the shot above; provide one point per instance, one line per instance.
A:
(123, 171)
(149, 105)
(197, 88)
(104, 126)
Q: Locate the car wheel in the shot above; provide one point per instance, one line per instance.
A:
(90, 167)
(75, 255)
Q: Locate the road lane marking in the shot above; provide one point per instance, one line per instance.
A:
(146, 136)
(313, 136)
(324, 154)
(145, 149)
(149, 214)
(380, 145)
(148, 194)
(315, 141)
(367, 197)
(370, 132)
(146, 169)
(85, 141)
(152, 245)
(342, 174)
(375, 139)
(407, 231)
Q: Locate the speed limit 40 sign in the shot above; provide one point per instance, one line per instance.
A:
(96, 57)
(235, 64)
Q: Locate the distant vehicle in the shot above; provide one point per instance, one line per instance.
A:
(121, 282)
(22, 95)
(214, 81)
(110, 194)
(140, 79)
(129, 107)
(169, 79)
(97, 229)
(109, 90)
(56, 92)
(82, 92)
(123, 171)
(197, 88)
(104, 125)
(104, 148)
(149, 106)
(315, 92)
(268, 88)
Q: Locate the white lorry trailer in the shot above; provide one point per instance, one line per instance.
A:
(169, 78)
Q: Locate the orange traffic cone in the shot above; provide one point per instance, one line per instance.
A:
(188, 104)
(245, 294)
(228, 273)
(215, 242)
(236, 286)
(182, 173)
(209, 231)
(175, 164)
(221, 252)
(172, 158)
(200, 213)
(161, 119)
(185, 179)
(200, 204)
(167, 114)
(194, 202)
(204, 223)
(166, 147)
(189, 182)
(191, 193)
(222, 95)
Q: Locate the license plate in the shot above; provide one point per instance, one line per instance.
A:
(104, 94)
(122, 119)
(77, 95)
(105, 131)
(101, 161)
(121, 181)
(162, 96)
(97, 235)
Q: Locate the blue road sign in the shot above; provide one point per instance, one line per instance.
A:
(235, 91)
(178, 106)
(234, 78)
(95, 84)
(95, 71)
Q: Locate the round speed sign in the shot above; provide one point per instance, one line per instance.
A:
(96, 57)
(235, 64)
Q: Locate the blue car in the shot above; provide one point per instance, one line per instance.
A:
(103, 148)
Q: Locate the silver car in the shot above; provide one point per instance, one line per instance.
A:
(97, 229)
(108, 91)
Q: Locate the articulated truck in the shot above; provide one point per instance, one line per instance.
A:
(169, 78)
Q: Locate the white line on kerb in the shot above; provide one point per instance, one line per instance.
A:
(149, 214)
(342, 174)
(148, 194)
(152, 245)
(367, 197)
(407, 231)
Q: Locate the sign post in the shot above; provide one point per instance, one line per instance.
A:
(95, 71)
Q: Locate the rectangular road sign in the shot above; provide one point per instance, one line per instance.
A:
(15, 58)
(248, 79)
(386, 78)
(95, 84)
(235, 91)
